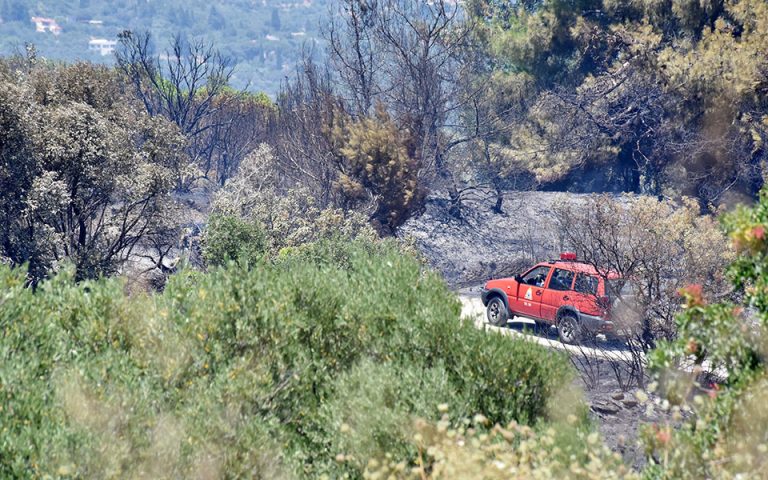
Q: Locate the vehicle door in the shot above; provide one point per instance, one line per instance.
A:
(585, 294)
(529, 291)
(559, 292)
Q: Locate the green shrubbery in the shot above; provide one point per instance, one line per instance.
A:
(728, 436)
(267, 372)
(232, 239)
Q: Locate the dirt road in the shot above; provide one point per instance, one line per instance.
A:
(472, 308)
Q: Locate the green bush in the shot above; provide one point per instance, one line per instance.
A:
(229, 238)
(248, 372)
(728, 434)
(373, 408)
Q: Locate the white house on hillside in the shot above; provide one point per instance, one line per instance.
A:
(102, 45)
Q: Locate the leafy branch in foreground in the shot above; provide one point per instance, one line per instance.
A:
(728, 437)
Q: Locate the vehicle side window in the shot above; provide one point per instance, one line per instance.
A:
(537, 276)
(561, 280)
(586, 284)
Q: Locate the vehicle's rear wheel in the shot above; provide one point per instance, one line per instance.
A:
(497, 312)
(568, 328)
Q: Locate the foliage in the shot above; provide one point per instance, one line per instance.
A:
(664, 98)
(406, 59)
(650, 97)
(229, 238)
(364, 163)
(392, 67)
(660, 246)
(248, 372)
(376, 163)
(469, 449)
(84, 173)
(373, 406)
(730, 430)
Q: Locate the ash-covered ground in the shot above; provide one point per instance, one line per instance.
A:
(484, 244)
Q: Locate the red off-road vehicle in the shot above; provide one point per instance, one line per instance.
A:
(569, 294)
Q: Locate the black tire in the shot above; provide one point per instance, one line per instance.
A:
(496, 312)
(569, 329)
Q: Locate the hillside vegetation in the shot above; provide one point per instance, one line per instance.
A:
(263, 39)
(198, 280)
(660, 98)
(264, 373)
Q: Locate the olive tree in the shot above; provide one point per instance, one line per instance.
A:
(84, 172)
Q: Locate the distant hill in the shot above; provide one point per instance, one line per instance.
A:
(263, 37)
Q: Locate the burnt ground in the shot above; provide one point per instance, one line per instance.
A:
(482, 245)
(619, 415)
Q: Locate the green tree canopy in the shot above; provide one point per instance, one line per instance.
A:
(657, 97)
(84, 172)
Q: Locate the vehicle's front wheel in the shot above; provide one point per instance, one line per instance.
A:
(568, 329)
(497, 312)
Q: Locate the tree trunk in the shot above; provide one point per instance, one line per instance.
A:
(497, 208)
(454, 209)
